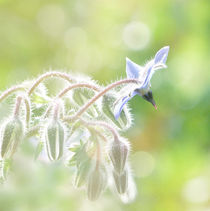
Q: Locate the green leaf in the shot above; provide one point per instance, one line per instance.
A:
(81, 96)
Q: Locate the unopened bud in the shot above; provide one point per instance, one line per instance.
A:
(82, 173)
(118, 154)
(121, 181)
(12, 135)
(55, 136)
(131, 191)
(96, 183)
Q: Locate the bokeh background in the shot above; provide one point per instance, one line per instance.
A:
(170, 147)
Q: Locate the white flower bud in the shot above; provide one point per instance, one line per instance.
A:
(118, 153)
(12, 135)
(96, 183)
(55, 137)
(121, 181)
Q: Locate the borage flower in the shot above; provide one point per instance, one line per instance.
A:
(144, 75)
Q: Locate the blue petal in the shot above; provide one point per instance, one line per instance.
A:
(156, 64)
(149, 74)
(161, 55)
(132, 69)
(119, 107)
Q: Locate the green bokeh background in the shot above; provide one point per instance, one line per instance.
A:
(170, 147)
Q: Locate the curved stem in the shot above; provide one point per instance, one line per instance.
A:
(28, 111)
(10, 91)
(80, 85)
(99, 134)
(111, 86)
(17, 106)
(103, 124)
(48, 75)
(56, 111)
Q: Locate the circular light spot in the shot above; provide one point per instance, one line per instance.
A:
(196, 190)
(136, 35)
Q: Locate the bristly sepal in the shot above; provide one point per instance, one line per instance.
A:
(12, 135)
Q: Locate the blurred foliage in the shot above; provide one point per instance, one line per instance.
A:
(171, 146)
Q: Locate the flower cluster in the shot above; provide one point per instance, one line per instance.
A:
(81, 124)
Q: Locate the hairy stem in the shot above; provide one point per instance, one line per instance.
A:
(56, 111)
(99, 134)
(10, 91)
(102, 124)
(28, 111)
(48, 75)
(17, 106)
(79, 85)
(100, 94)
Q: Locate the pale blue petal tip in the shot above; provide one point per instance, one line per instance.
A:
(161, 55)
(119, 107)
(132, 69)
(159, 63)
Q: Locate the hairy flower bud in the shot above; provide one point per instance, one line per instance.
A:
(12, 135)
(55, 136)
(96, 183)
(118, 154)
(121, 181)
(82, 173)
(131, 191)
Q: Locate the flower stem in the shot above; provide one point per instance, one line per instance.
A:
(93, 130)
(99, 134)
(28, 111)
(103, 124)
(10, 91)
(48, 75)
(17, 106)
(79, 85)
(101, 93)
(56, 111)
